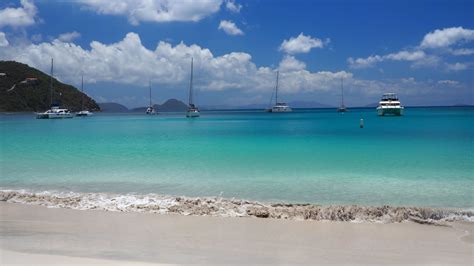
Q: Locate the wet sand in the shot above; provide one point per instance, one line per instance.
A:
(39, 235)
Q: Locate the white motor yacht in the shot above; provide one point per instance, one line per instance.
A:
(390, 105)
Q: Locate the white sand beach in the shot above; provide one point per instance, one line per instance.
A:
(36, 235)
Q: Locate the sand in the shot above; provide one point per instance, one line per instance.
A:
(34, 235)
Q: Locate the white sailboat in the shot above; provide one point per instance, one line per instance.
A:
(150, 110)
(342, 108)
(55, 112)
(193, 111)
(279, 107)
(83, 112)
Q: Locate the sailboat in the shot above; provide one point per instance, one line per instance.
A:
(193, 111)
(55, 111)
(342, 108)
(279, 107)
(83, 112)
(150, 110)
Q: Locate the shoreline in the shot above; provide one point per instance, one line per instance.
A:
(37, 234)
(224, 207)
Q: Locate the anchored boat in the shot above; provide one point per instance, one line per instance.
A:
(193, 111)
(55, 112)
(390, 105)
(279, 107)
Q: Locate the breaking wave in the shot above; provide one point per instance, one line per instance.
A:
(216, 206)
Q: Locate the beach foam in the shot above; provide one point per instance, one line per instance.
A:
(216, 206)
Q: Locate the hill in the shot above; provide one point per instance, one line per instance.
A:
(25, 89)
(113, 108)
(172, 105)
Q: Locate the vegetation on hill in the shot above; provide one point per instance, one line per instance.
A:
(25, 89)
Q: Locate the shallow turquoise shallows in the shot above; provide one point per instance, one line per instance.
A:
(425, 158)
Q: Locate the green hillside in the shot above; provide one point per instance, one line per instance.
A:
(31, 90)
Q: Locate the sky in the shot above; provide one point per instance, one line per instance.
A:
(423, 50)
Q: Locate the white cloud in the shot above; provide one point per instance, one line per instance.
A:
(447, 37)
(232, 6)
(69, 36)
(457, 67)
(374, 59)
(155, 10)
(301, 44)
(129, 62)
(3, 40)
(19, 17)
(230, 28)
(364, 62)
(462, 51)
(290, 63)
(406, 56)
(448, 82)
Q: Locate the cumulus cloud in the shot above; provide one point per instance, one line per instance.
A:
(456, 67)
(155, 10)
(230, 28)
(232, 6)
(374, 59)
(290, 63)
(462, 51)
(448, 82)
(129, 62)
(69, 36)
(447, 37)
(301, 44)
(3, 40)
(19, 17)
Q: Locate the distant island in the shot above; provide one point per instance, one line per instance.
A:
(26, 89)
(171, 105)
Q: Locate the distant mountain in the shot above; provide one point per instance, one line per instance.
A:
(294, 104)
(113, 108)
(306, 104)
(26, 89)
(138, 110)
(371, 105)
(172, 105)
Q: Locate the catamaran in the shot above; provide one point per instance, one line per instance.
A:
(390, 105)
(193, 111)
(55, 111)
(150, 110)
(83, 112)
(279, 107)
(342, 108)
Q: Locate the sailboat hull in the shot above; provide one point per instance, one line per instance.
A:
(192, 114)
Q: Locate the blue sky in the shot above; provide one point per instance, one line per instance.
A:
(423, 50)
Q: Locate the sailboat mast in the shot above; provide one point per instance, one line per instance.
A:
(82, 89)
(191, 84)
(149, 85)
(51, 84)
(276, 89)
(342, 92)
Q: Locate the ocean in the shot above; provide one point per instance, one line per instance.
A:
(423, 159)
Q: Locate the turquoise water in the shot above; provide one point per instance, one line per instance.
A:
(425, 158)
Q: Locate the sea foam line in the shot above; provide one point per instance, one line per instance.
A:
(216, 206)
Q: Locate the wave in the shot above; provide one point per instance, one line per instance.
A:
(216, 206)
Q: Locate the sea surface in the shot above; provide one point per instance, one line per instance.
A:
(425, 158)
